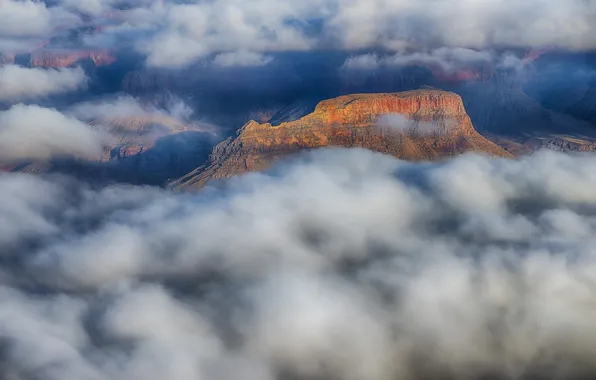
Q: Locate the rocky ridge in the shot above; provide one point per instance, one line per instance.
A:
(65, 58)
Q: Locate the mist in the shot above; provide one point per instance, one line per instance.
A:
(32, 132)
(398, 123)
(19, 83)
(342, 264)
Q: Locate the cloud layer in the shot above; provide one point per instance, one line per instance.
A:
(186, 32)
(175, 33)
(345, 264)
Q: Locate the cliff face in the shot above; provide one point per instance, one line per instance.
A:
(65, 58)
(414, 125)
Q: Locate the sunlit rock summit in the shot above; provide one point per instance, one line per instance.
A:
(424, 124)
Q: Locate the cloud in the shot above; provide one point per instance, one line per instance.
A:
(395, 122)
(32, 132)
(241, 59)
(24, 18)
(461, 23)
(342, 264)
(177, 33)
(125, 106)
(88, 7)
(33, 18)
(448, 60)
(20, 83)
(187, 32)
(182, 33)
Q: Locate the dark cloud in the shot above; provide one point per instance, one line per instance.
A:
(344, 264)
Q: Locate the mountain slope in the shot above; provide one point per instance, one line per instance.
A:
(413, 125)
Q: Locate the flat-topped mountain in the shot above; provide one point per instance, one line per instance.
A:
(423, 124)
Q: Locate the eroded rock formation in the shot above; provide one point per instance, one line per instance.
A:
(65, 58)
(427, 125)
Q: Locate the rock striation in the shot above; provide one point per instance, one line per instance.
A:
(65, 58)
(423, 124)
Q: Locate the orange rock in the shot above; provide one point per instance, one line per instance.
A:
(352, 121)
(65, 58)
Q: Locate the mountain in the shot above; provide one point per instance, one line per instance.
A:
(422, 124)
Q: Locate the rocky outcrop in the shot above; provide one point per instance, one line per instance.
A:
(65, 58)
(422, 125)
(562, 144)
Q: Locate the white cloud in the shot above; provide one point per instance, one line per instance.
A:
(447, 60)
(33, 18)
(20, 83)
(123, 106)
(193, 30)
(32, 132)
(344, 264)
(88, 7)
(24, 18)
(173, 33)
(241, 59)
(399, 123)
(187, 32)
(368, 61)
(129, 107)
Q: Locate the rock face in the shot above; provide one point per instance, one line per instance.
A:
(415, 125)
(65, 58)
